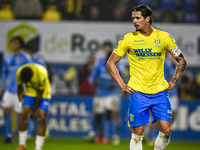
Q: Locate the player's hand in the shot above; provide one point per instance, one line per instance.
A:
(171, 86)
(33, 114)
(1, 92)
(128, 89)
(111, 86)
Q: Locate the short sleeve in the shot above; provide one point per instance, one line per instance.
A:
(121, 47)
(42, 84)
(170, 43)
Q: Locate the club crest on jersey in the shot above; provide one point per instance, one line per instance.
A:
(157, 41)
(18, 61)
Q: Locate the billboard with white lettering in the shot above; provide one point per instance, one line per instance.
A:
(71, 117)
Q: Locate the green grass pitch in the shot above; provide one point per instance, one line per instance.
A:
(79, 144)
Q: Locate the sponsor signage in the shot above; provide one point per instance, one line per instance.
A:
(73, 42)
(71, 117)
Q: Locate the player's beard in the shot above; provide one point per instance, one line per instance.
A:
(138, 29)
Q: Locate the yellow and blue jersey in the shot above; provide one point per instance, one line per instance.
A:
(39, 81)
(146, 55)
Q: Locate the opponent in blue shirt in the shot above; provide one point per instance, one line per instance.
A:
(107, 97)
(35, 58)
(10, 65)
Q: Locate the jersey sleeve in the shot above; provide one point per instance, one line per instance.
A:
(170, 42)
(121, 47)
(172, 47)
(42, 83)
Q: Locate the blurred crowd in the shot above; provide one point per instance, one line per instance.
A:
(189, 86)
(181, 11)
(76, 82)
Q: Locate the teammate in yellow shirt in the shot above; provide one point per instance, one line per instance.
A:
(36, 97)
(145, 48)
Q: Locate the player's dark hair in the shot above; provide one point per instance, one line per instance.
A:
(26, 74)
(107, 43)
(21, 41)
(145, 10)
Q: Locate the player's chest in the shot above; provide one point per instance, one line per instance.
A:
(147, 43)
(14, 63)
(103, 73)
(146, 47)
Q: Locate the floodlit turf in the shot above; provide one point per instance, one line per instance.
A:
(79, 144)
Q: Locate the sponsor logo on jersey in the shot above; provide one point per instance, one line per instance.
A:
(147, 52)
(138, 40)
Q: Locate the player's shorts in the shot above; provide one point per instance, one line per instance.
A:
(112, 103)
(29, 101)
(174, 102)
(11, 100)
(140, 105)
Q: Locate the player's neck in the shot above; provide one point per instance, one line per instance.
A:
(146, 31)
(16, 52)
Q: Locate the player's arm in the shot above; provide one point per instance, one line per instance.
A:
(38, 100)
(3, 77)
(36, 104)
(112, 69)
(20, 92)
(178, 56)
(20, 89)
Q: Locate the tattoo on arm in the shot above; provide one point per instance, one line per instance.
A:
(179, 69)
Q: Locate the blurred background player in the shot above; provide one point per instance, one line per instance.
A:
(10, 65)
(35, 58)
(36, 101)
(84, 71)
(39, 60)
(106, 100)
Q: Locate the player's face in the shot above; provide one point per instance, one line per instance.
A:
(107, 49)
(15, 44)
(138, 20)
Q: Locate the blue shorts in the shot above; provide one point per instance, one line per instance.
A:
(29, 101)
(140, 105)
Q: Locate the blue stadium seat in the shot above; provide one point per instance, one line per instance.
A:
(167, 4)
(189, 6)
(190, 18)
(147, 2)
